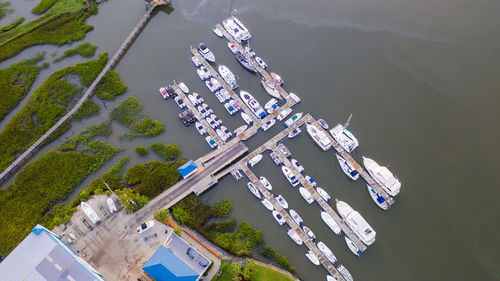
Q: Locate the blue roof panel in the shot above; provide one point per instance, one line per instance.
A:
(187, 168)
(165, 266)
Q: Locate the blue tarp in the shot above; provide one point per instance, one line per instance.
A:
(187, 168)
(165, 266)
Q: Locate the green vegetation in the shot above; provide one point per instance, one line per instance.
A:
(46, 105)
(110, 86)
(240, 241)
(178, 230)
(130, 114)
(12, 24)
(141, 150)
(222, 208)
(131, 200)
(4, 8)
(88, 108)
(43, 6)
(271, 253)
(46, 180)
(167, 152)
(62, 24)
(16, 81)
(251, 272)
(85, 50)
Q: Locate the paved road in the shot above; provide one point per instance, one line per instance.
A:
(185, 187)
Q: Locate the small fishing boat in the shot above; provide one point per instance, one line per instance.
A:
(267, 204)
(331, 223)
(323, 123)
(211, 142)
(200, 128)
(240, 130)
(183, 87)
(203, 73)
(354, 249)
(163, 93)
(246, 118)
(213, 85)
(297, 165)
(345, 273)
(90, 213)
(207, 108)
(323, 193)
(294, 133)
(283, 114)
(377, 198)
(308, 232)
(271, 88)
(193, 100)
(312, 257)
(206, 53)
(202, 111)
(230, 108)
(265, 183)
(221, 134)
(295, 216)
(290, 176)
(178, 100)
(282, 201)
(331, 278)
(327, 252)
(261, 62)
(295, 236)
(271, 105)
(255, 160)
(306, 195)
(196, 61)
(347, 168)
(216, 119)
(279, 218)
(211, 122)
(311, 180)
(250, 51)
(198, 98)
(294, 97)
(254, 190)
(293, 119)
(111, 205)
(268, 125)
(284, 150)
(217, 32)
(275, 158)
(226, 131)
(244, 62)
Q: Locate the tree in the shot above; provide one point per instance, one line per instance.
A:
(222, 208)
(248, 270)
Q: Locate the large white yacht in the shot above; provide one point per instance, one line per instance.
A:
(344, 137)
(253, 104)
(236, 29)
(228, 76)
(319, 137)
(383, 176)
(356, 222)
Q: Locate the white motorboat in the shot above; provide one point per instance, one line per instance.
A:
(327, 252)
(240, 130)
(261, 62)
(253, 104)
(203, 73)
(271, 88)
(295, 236)
(345, 273)
(295, 216)
(290, 176)
(323, 124)
(323, 194)
(297, 165)
(255, 160)
(308, 232)
(90, 213)
(200, 128)
(282, 201)
(217, 32)
(266, 183)
(222, 135)
(311, 180)
(331, 278)
(207, 108)
(111, 205)
(347, 168)
(211, 142)
(225, 94)
(213, 85)
(226, 131)
(230, 108)
(250, 51)
(183, 87)
(236, 29)
(246, 118)
(202, 111)
(344, 137)
(330, 222)
(383, 176)
(232, 47)
(244, 62)
(283, 114)
(306, 195)
(211, 122)
(206, 53)
(222, 98)
(293, 119)
(294, 133)
(268, 125)
(354, 249)
(178, 100)
(267, 204)
(163, 92)
(356, 222)
(193, 100)
(278, 217)
(196, 61)
(294, 97)
(377, 198)
(319, 137)
(228, 76)
(275, 158)
(216, 119)
(254, 190)
(271, 105)
(312, 257)
(277, 79)
(198, 98)
(284, 150)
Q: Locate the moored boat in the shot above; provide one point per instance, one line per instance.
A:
(331, 278)
(196, 61)
(290, 176)
(211, 142)
(265, 183)
(323, 193)
(178, 100)
(271, 88)
(344, 137)
(206, 53)
(261, 62)
(230, 108)
(163, 93)
(228, 76)
(256, 159)
(236, 29)
(240, 130)
(192, 99)
(295, 216)
(183, 87)
(354, 249)
(268, 125)
(217, 32)
(330, 222)
(278, 217)
(213, 85)
(319, 136)
(111, 205)
(356, 222)
(306, 195)
(90, 213)
(254, 190)
(295, 236)
(377, 198)
(253, 104)
(284, 150)
(244, 62)
(203, 73)
(246, 118)
(200, 128)
(383, 176)
(282, 201)
(293, 119)
(327, 252)
(312, 257)
(323, 123)
(283, 114)
(297, 165)
(311, 180)
(294, 97)
(294, 133)
(250, 51)
(271, 105)
(267, 204)
(347, 168)
(345, 273)
(275, 158)
(309, 232)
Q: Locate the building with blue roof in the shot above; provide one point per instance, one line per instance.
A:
(42, 256)
(188, 169)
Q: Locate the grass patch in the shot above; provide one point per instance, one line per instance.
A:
(11, 25)
(46, 105)
(88, 108)
(85, 50)
(110, 86)
(4, 8)
(44, 182)
(271, 254)
(167, 152)
(43, 6)
(130, 114)
(141, 150)
(16, 81)
(234, 271)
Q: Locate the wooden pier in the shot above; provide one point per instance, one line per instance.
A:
(111, 62)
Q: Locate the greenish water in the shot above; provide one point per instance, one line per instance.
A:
(420, 77)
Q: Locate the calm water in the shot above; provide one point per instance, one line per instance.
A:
(421, 79)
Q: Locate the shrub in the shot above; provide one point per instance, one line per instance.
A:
(167, 152)
(222, 208)
(12, 24)
(141, 150)
(152, 178)
(88, 108)
(178, 230)
(85, 50)
(110, 86)
(43, 6)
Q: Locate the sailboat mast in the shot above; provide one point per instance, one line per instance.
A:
(348, 120)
